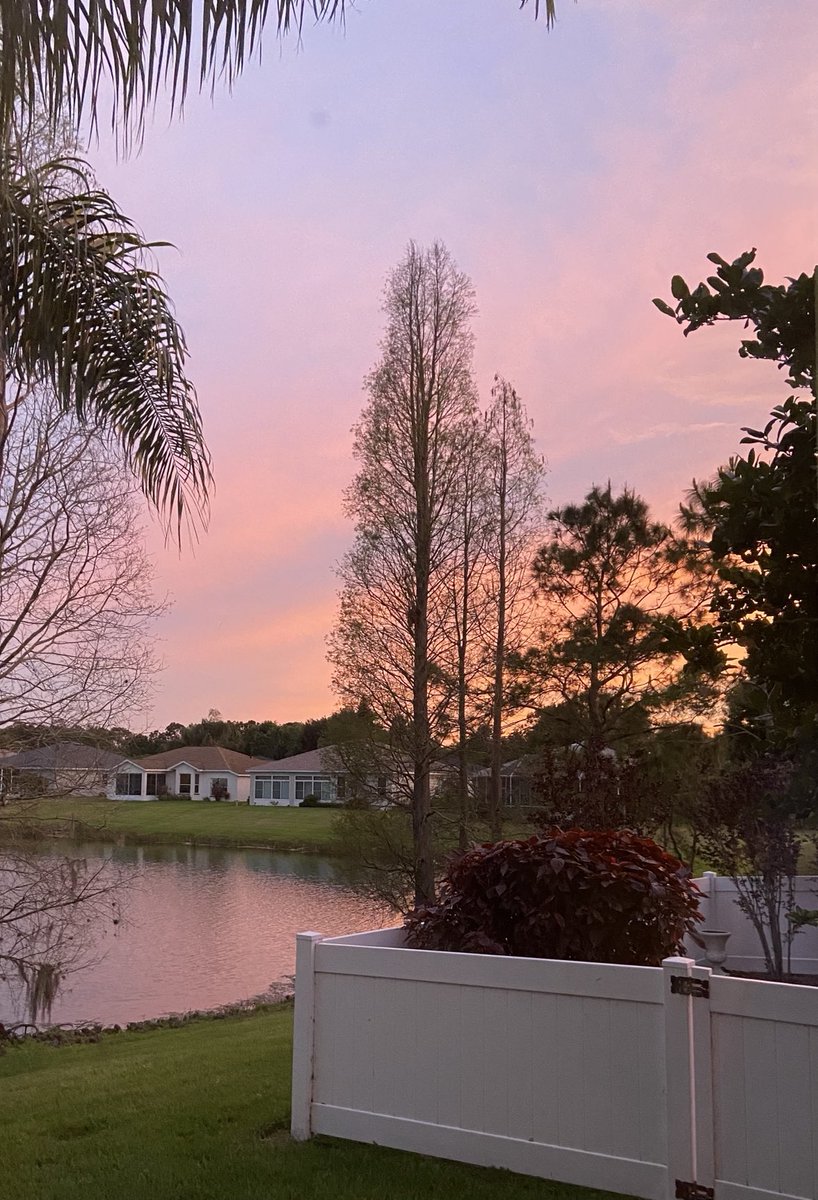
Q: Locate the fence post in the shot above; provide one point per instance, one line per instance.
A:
(689, 1081)
(303, 1035)
(711, 913)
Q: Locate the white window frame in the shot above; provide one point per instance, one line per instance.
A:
(320, 786)
(271, 787)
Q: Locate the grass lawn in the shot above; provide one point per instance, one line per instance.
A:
(217, 824)
(200, 1113)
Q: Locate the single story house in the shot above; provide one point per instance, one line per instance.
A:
(381, 774)
(191, 772)
(288, 781)
(68, 767)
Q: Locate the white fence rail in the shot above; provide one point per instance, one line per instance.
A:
(604, 1076)
(720, 911)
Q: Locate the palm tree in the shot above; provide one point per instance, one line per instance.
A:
(82, 309)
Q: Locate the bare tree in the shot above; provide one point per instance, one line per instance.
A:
(75, 581)
(469, 594)
(515, 480)
(392, 643)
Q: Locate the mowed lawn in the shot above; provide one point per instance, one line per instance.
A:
(215, 823)
(200, 1113)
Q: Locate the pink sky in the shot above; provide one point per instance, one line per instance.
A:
(570, 172)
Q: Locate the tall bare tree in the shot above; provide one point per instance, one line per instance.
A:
(76, 605)
(392, 644)
(515, 485)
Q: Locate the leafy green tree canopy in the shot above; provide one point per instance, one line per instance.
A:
(759, 518)
(782, 315)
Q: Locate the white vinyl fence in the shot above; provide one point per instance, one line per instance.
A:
(720, 911)
(656, 1082)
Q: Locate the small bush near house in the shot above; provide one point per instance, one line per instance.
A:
(310, 802)
(594, 896)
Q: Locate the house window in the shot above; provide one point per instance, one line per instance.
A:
(195, 785)
(319, 786)
(219, 788)
(271, 787)
(156, 784)
(129, 784)
(184, 784)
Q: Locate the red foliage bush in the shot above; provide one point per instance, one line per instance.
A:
(594, 896)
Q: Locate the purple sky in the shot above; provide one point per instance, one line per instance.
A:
(570, 172)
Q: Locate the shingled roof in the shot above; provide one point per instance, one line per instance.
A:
(201, 758)
(324, 760)
(64, 756)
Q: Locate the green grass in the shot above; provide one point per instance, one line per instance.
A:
(200, 1113)
(145, 821)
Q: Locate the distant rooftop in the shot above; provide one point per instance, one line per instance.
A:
(202, 758)
(64, 756)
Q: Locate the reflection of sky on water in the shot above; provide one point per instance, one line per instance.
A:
(201, 927)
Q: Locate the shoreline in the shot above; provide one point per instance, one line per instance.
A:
(73, 1033)
(82, 831)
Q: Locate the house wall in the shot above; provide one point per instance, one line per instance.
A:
(238, 785)
(68, 780)
(291, 776)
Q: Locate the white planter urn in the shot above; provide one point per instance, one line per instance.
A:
(715, 948)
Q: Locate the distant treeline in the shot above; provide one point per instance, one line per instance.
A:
(261, 739)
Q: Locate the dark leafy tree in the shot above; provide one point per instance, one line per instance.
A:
(758, 518)
(622, 636)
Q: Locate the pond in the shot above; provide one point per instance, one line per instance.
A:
(193, 927)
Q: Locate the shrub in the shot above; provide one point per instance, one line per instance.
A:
(310, 802)
(598, 896)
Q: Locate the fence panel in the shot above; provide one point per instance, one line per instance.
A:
(720, 911)
(765, 1089)
(547, 1068)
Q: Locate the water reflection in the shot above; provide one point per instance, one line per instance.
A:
(200, 927)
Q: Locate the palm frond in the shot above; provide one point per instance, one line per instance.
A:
(60, 52)
(82, 308)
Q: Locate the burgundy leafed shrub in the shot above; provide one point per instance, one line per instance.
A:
(596, 896)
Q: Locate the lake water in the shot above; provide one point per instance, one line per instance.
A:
(197, 928)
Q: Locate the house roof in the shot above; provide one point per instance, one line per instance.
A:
(327, 760)
(64, 756)
(201, 758)
(323, 760)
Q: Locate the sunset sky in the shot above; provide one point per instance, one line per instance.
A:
(571, 172)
